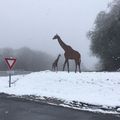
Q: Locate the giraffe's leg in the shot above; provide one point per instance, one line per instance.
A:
(79, 66)
(64, 64)
(53, 68)
(68, 65)
(75, 66)
(57, 67)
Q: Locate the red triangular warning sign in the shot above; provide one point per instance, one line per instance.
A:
(10, 62)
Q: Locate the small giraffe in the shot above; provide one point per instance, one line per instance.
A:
(70, 53)
(55, 63)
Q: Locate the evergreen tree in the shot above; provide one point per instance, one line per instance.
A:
(105, 37)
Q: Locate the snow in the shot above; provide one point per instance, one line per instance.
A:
(118, 109)
(97, 88)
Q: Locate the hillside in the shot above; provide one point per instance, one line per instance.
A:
(92, 88)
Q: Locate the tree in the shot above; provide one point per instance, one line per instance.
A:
(105, 37)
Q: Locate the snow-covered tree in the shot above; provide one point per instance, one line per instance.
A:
(105, 37)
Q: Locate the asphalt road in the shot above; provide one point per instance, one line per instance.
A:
(23, 110)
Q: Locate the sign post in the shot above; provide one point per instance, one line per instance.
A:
(10, 61)
(9, 80)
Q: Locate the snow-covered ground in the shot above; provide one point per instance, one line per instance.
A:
(97, 88)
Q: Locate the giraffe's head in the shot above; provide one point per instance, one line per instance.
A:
(56, 37)
(59, 55)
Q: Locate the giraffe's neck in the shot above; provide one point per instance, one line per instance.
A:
(62, 44)
(57, 58)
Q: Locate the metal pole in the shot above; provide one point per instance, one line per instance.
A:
(9, 79)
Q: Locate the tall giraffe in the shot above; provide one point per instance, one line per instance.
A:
(55, 63)
(69, 54)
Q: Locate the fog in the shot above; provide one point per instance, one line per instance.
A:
(33, 23)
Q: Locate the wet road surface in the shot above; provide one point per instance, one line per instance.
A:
(24, 110)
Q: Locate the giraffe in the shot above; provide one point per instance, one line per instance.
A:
(55, 63)
(69, 54)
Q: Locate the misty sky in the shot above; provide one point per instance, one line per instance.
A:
(33, 23)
